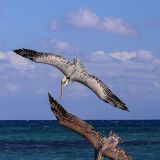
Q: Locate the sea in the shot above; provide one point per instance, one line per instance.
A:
(47, 140)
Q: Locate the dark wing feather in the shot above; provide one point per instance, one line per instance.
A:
(74, 123)
(47, 58)
(101, 90)
(106, 147)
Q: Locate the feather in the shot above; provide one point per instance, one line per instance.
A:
(75, 72)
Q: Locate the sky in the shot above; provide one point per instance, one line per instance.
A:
(117, 41)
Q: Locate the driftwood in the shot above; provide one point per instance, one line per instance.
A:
(104, 147)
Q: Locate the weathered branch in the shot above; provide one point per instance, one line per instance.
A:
(105, 147)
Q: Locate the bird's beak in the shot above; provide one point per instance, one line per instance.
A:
(62, 90)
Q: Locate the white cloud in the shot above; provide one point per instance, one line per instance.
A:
(12, 87)
(12, 67)
(123, 56)
(143, 55)
(99, 56)
(127, 71)
(117, 26)
(18, 73)
(19, 62)
(63, 46)
(15, 61)
(84, 18)
(140, 55)
(2, 56)
(87, 18)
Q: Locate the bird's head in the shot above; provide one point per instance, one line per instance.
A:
(64, 82)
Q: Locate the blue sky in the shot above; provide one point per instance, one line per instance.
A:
(118, 41)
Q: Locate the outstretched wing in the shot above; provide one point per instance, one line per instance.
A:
(47, 58)
(106, 147)
(74, 123)
(101, 90)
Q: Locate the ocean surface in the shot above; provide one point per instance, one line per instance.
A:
(47, 140)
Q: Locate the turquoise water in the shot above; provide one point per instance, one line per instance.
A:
(47, 140)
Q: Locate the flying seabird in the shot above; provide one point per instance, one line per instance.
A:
(74, 72)
(103, 146)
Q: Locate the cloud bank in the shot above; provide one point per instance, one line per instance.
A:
(61, 46)
(133, 71)
(126, 72)
(140, 55)
(85, 18)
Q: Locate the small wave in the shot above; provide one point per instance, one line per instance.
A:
(139, 142)
(62, 144)
(41, 144)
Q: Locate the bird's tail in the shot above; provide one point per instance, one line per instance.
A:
(116, 102)
(27, 53)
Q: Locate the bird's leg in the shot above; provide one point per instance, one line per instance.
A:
(100, 156)
(64, 82)
(62, 91)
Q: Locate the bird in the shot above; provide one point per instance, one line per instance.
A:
(103, 146)
(74, 72)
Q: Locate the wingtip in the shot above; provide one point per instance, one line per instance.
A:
(50, 98)
(128, 110)
(49, 95)
(125, 108)
(18, 50)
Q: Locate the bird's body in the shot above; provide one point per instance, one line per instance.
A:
(104, 147)
(74, 72)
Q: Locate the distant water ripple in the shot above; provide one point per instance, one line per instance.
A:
(47, 140)
(62, 144)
